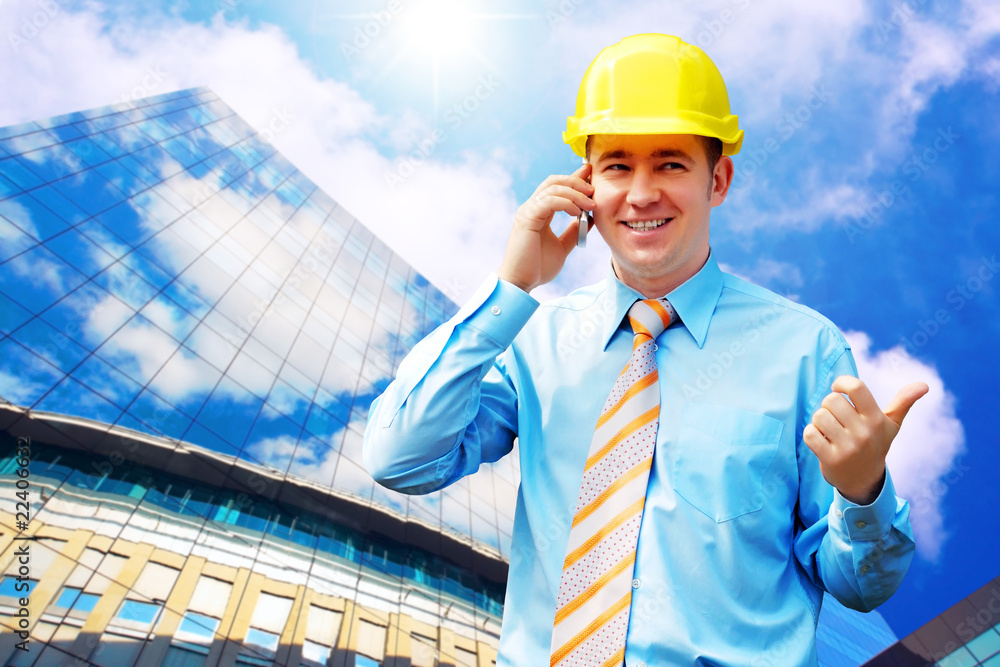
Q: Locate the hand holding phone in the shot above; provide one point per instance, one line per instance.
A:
(535, 254)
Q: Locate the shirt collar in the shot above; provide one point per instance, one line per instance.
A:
(694, 300)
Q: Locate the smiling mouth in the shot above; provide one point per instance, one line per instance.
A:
(643, 225)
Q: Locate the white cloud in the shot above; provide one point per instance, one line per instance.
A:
(925, 458)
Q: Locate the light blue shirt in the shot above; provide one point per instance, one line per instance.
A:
(740, 532)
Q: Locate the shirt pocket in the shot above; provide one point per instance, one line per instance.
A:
(720, 457)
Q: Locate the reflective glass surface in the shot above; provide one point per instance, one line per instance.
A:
(164, 269)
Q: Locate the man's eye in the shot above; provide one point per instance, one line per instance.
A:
(671, 166)
(616, 166)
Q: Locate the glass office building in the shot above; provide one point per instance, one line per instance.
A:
(966, 635)
(191, 333)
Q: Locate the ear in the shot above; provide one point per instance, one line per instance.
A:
(722, 178)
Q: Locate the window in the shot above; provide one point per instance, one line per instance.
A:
(210, 597)
(136, 616)
(259, 648)
(314, 655)
(74, 602)
(423, 651)
(269, 618)
(9, 588)
(322, 629)
(197, 628)
(371, 643)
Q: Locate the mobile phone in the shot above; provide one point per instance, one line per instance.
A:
(585, 219)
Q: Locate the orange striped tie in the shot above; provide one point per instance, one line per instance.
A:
(596, 588)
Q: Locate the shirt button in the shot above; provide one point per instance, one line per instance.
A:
(860, 524)
(864, 569)
(655, 347)
(840, 515)
(636, 583)
(495, 310)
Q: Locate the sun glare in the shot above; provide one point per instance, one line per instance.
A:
(440, 29)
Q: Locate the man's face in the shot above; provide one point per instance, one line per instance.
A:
(663, 178)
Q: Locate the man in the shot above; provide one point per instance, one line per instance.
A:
(698, 528)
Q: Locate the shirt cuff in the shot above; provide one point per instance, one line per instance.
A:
(866, 522)
(499, 309)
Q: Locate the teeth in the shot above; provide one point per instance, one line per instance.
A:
(646, 224)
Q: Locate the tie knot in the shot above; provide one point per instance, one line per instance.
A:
(651, 316)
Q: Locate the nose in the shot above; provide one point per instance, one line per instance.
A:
(642, 190)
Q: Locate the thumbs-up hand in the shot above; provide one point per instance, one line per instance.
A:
(851, 441)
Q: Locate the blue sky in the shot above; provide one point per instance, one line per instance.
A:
(866, 187)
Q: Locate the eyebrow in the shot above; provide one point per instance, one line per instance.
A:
(662, 153)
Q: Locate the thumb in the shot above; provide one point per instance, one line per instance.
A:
(904, 400)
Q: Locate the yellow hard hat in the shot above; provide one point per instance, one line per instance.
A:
(653, 84)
